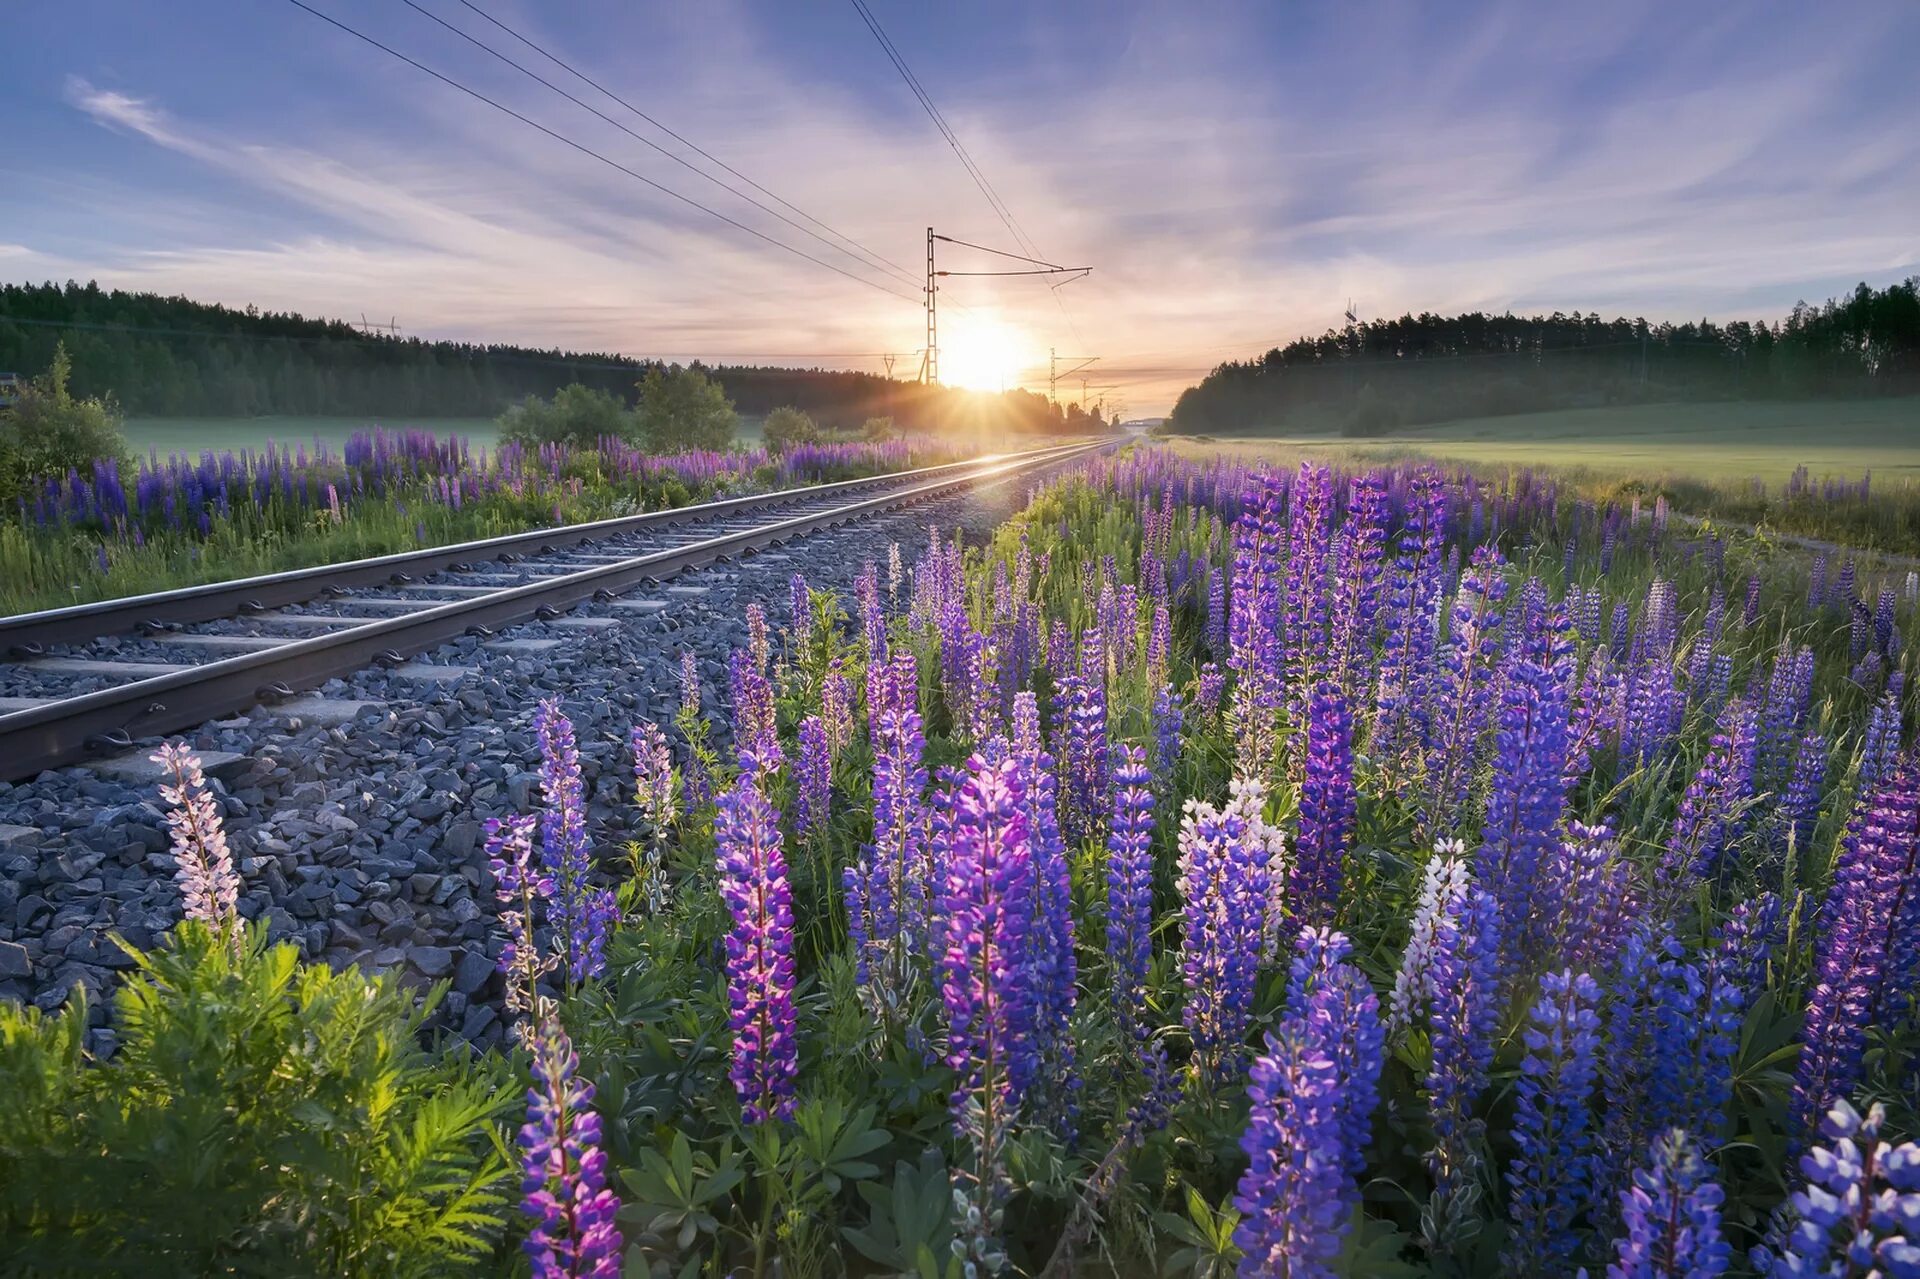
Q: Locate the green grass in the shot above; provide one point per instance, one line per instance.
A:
(1714, 442)
(195, 435)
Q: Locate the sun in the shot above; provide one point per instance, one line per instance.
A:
(980, 355)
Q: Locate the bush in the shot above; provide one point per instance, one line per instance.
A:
(576, 415)
(878, 430)
(261, 1116)
(788, 426)
(682, 409)
(49, 432)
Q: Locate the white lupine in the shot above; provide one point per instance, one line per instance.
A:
(1447, 881)
(1248, 798)
(209, 888)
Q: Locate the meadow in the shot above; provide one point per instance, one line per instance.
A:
(195, 435)
(1288, 872)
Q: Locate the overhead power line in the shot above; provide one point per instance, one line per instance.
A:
(606, 160)
(856, 252)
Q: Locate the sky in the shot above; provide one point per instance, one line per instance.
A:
(1235, 174)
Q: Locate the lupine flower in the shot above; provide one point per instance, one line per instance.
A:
(756, 734)
(1473, 643)
(815, 774)
(1670, 1217)
(873, 619)
(1599, 897)
(1225, 882)
(1309, 543)
(1211, 685)
(1446, 876)
(887, 887)
(1412, 622)
(652, 774)
(582, 913)
(1327, 807)
(759, 648)
(1358, 569)
(565, 1170)
(1859, 1214)
(1167, 723)
(209, 888)
(1800, 806)
(1865, 948)
(1880, 744)
(1051, 962)
(519, 882)
(1130, 887)
(1254, 625)
(1710, 812)
(836, 708)
(753, 883)
(986, 907)
(1551, 1177)
(1313, 1093)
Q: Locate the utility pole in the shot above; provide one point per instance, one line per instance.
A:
(1054, 375)
(930, 371)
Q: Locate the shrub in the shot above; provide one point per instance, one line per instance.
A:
(49, 432)
(878, 430)
(577, 415)
(682, 409)
(260, 1116)
(788, 426)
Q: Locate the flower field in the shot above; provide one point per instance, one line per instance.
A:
(178, 519)
(1226, 870)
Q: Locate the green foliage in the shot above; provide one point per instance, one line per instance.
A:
(787, 426)
(260, 1116)
(49, 431)
(878, 429)
(576, 414)
(681, 409)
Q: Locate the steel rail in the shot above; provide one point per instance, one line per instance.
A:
(28, 634)
(70, 729)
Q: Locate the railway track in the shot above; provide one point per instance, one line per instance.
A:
(90, 680)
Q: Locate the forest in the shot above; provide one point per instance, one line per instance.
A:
(174, 357)
(1375, 375)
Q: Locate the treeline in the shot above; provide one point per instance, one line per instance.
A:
(1371, 377)
(174, 357)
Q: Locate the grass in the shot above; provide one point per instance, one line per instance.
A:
(1714, 442)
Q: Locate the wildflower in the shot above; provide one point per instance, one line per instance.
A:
(1463, 1021)
(1524, 807)
(1130, 887)
(209, 888)
(1327, 807)
(759, 648)
(756, 735)
(652, 775)
(565, 1170)
(1860, 1211)
(815, 775)
(582, 913)
(753, 883)
(1167, 723)
(1051, 962)
(1670, 1217)
(1225, 884)
(887, 887)
(1551, 1177)
(519, 882)
(1473, 642)
(799, 609)
(836, 709)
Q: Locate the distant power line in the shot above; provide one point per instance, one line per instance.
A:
(606, 160)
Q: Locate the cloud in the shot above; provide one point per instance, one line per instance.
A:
(1231, 186)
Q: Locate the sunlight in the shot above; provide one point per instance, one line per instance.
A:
(981, 354)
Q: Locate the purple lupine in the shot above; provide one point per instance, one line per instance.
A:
(652, 774)
(1309, 547)
(1800, 806)
(1551, 1178)
(799, 609)
(1159, 645)
(582, 914)
(1859, 1214)
(1216, 612)
(756, 734)
(1313, 1094)
(1412, 604)
(1327, 808)
(1599, 897)
(1463, 1024)
(1051, 963)
(887, 887)
(1880, 743)
(1358, 571)
(1750, 610)
(1254, 626)
(519, 882)
(1085, 758)
(564, 1170)
(759, 646)
(814, 774)
(1225, 885)
(753, 883)
(697, 784)
(1712, 809)
(873, 618)
(1783, 713)
(203, 865)
(1130, 889)
(836, 709)
(1520, 835)
(1473, 643)
(1866, 945)
(1167, 722)
(1209, 687)
(1670, 1216)
(985, 989)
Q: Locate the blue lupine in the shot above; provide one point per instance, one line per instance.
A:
(1520, 835)
(1051, 964)
(814, 774)
(1130, 888)
(1670, 1216)
(1800, 806)
(887, 886)
(1473, 644)
(564, 1170)
(1313, 1094)
(1551, 1176)
(1327, 807)
(1859, 1214)
(1168, 721)
(582, 914)
(1405, 687)
(1463, 1024)
(756, 736)
(759, 945)
(1225, 883)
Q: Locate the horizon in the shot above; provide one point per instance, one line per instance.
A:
(1234, 183)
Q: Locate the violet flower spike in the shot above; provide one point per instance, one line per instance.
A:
(209, 888)
(564, 1177)
(759, 951)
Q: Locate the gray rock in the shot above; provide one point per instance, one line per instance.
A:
(14, 961)
(472, 972)
(432, 961)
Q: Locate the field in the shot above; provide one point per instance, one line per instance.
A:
(1716, 442)
(194, 436)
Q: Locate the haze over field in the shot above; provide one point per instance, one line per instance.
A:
(1235, 176)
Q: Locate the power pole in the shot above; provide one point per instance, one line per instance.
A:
(930, 372)
(1053, 371)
